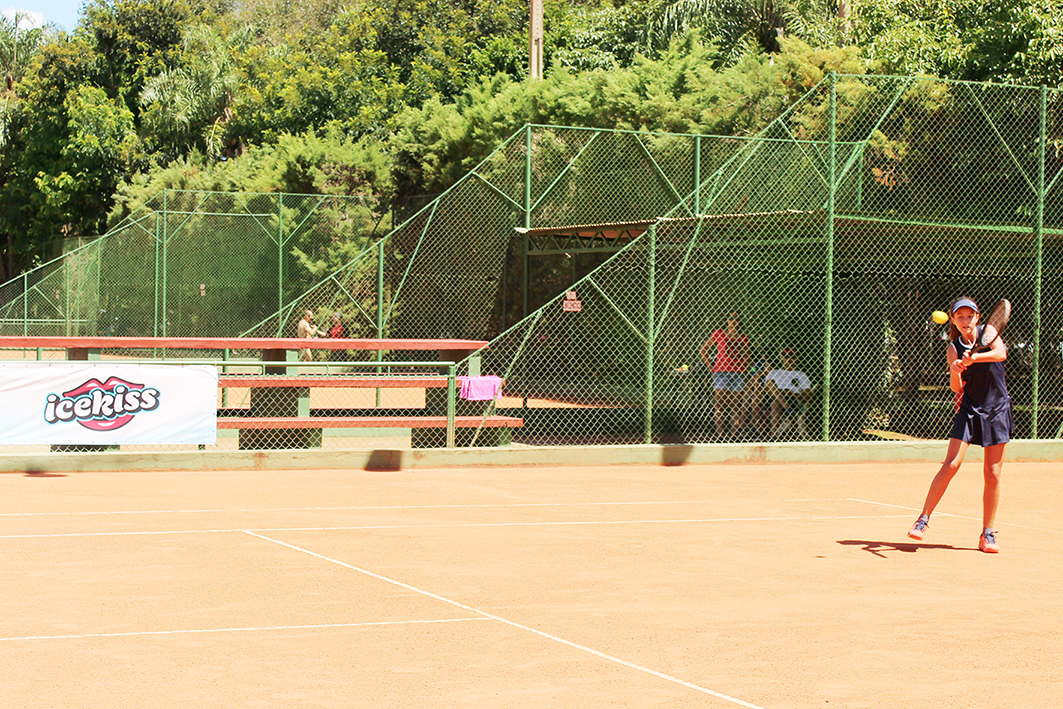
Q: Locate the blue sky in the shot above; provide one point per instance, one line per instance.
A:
(60, 12)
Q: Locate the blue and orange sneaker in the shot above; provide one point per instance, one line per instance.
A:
(919, 528)
(988, 542)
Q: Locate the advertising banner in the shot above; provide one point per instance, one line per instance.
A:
(95, 403)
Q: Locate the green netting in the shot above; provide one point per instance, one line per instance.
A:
(192, 264)
(598, 263)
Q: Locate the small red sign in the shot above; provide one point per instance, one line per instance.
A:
(571, 306)
(571, 295)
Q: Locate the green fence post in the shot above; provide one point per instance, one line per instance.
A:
(524, 240)
(379, 310)
(66, 297)
(225, 370)
(1039, 228)
(158, 274)
(829, 300)
(451, 403)
(697, 175)
(650, 329)
(527, 207)
(280, 264)
(162, 268)
(860, 181)
(25, 304)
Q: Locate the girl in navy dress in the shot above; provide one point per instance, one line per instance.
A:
(983, 417)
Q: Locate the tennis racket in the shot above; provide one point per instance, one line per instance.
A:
(994, 325)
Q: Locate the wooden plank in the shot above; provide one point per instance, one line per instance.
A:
(238, 343)
(332, 381)
(262, 422)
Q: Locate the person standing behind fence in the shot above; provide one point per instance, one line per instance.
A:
(728, 382)
(307, 331)
(337, 331)
(753, 415)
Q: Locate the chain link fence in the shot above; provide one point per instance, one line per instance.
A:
(193, 264)
(602, 266)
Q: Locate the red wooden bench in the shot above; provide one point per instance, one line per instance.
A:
(274, 349)
(415, 421)
(402, 381)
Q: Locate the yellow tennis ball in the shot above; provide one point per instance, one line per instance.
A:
(939, 317)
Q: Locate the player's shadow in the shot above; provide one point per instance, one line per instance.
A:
(878, 548)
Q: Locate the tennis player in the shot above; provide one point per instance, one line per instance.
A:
(983, 417)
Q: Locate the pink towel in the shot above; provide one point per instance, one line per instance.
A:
(480, 388)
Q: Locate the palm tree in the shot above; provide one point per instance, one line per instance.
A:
(739, 26)
(19, 43)
(190, 104)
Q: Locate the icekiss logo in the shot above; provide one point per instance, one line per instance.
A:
(101, 407)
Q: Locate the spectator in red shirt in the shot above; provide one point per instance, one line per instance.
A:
(728, 380)
(335, 332)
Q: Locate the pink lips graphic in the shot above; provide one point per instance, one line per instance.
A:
(108, 387)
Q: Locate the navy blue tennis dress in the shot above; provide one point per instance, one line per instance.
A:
(984, 417)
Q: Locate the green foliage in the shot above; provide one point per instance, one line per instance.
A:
(680, 93)
(131, 40)
(332, 81)
(19, 45)
(739, 27)
(98, 151)
(593, 38)
(973, 40)
(216, 89)
(188, 105)
(304, 164)
(44, 184)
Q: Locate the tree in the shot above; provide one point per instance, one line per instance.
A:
(189, 105)
(70, 129)
(740, 26)
(20, 42)
(1013, 40)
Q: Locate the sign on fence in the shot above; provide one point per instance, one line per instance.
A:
(95, 403)
(571, 304)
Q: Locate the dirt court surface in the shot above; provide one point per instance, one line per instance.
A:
(774, 586)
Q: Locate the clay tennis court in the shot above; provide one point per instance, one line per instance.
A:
(774, 586)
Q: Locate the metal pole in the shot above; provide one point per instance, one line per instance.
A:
(158, 274)
(527, 207)
(66, 298)
(280, 264)
(524, 243)
(651, 263)
(828, 305)
(380, 291)
(860, 182)
(25, 304)
(451, 403)
(1039, 237)
(379, 309)
(162, 268)
(697, 174)
(225, 370)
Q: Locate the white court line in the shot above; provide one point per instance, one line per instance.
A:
(355, 508)
(946, 514)
(540, 633)
(142, 533)
(325, 626)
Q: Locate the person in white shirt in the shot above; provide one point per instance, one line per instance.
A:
(788, 387)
